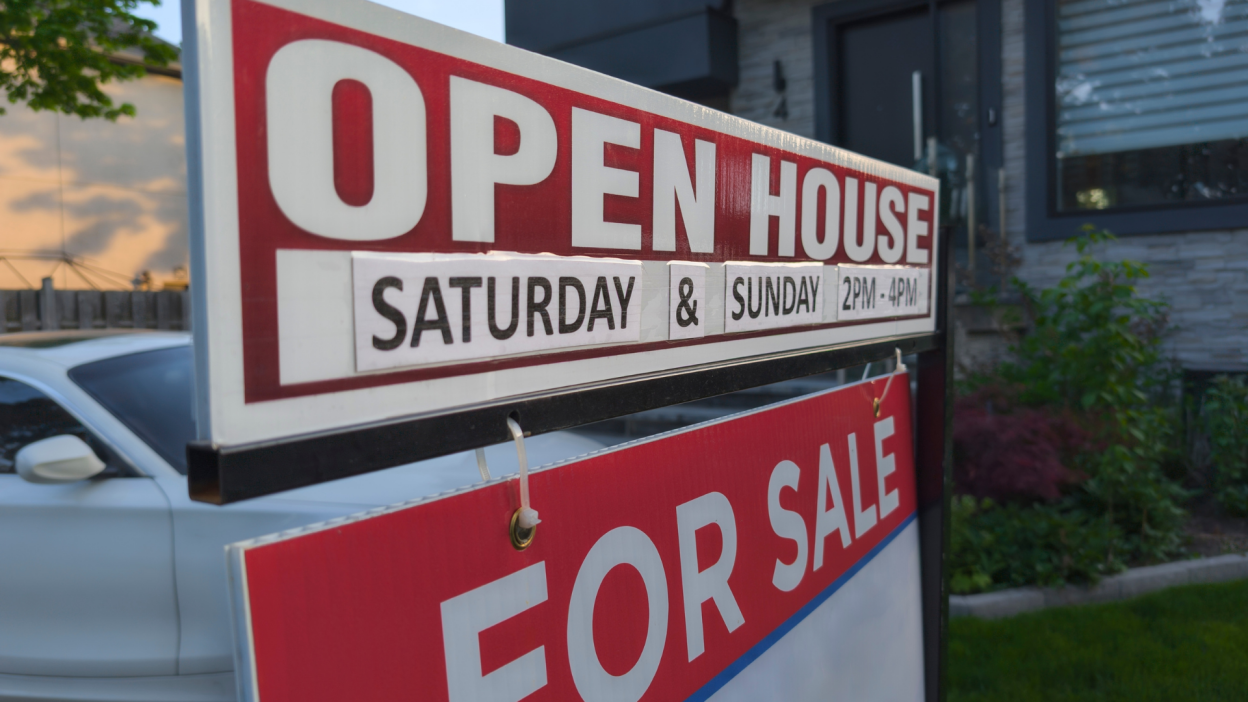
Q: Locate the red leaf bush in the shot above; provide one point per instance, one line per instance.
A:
(1007, 452)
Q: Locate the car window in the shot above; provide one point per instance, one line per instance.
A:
(152, 393)
(27, 415)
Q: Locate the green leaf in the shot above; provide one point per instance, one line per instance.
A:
(56, 54)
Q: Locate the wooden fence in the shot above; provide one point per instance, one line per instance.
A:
(49, 309)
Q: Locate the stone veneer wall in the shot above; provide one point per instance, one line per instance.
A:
(1204, 277)
(771, 30)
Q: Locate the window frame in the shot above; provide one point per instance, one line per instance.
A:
(1043, 221)
(140, 433)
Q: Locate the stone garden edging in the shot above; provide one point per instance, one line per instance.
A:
(1133, 582)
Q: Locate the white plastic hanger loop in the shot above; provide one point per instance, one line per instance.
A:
(481, 465)
(525, 519)
(900, 368)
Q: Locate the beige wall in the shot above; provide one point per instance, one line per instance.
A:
(110, 193)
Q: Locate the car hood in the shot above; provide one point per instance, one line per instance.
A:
(438, 475)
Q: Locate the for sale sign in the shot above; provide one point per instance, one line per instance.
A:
(391, 217)
(773, 555)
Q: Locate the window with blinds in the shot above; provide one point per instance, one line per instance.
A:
(1151, 101)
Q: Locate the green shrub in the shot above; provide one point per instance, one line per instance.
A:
(1094, 350)
(965, 558)
(1225, 414)
(996, 546)
(1093, 342)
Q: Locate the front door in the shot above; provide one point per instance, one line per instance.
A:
(904, 84)
(880, 59)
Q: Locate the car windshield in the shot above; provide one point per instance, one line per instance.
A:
(151, 393)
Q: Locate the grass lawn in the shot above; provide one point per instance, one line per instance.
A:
(1186, 643)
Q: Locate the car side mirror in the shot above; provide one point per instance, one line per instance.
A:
(59, 459)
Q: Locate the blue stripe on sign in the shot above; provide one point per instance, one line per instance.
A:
(778, 633)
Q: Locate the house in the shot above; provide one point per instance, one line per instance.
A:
(1131, 115)
(96, 204)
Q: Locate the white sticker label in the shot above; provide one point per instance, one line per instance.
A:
(418, 309)
(772, 295)
(686, 300)
(872, 292)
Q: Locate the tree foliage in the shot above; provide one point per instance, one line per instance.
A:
(56, 54)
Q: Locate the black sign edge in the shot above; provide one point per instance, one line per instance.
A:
(224, 475)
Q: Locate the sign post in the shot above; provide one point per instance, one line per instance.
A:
(404, 235)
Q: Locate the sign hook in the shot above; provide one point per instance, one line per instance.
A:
(524, 522)
(481, 465)
(900, 368)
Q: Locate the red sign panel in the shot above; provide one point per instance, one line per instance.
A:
(538, 215)
(771, 555)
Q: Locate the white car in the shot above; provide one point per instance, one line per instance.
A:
(113, 587)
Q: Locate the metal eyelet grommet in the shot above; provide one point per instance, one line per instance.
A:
(521, 538)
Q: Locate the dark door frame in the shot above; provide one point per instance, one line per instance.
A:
(827, 20)
(825, 23)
